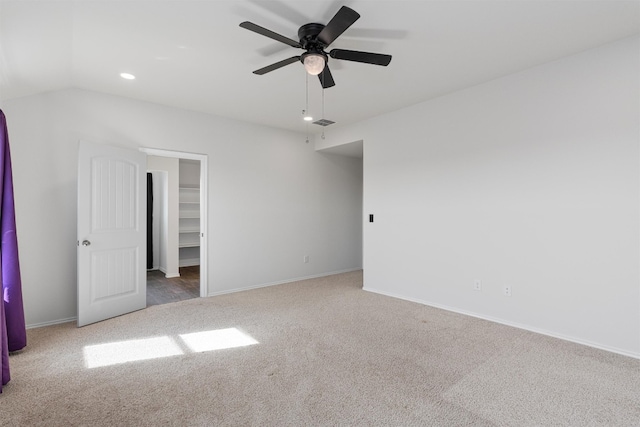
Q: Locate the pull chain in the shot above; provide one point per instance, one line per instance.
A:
(322, 136)
(305, 112)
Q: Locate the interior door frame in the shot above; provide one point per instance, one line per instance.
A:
(204, 219)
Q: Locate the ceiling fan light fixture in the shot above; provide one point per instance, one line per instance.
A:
(314, 63)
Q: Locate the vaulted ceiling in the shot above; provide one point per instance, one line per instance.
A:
(193, 54)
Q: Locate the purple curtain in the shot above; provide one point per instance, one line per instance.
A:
(4, 357)
(12, 325)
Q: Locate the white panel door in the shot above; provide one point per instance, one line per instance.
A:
(111, 232)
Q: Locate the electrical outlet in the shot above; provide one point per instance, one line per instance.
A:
(506, 290)
(477, 285)
(306, 259)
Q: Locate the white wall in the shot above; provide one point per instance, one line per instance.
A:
(170, 215)
(159, 232)
(532, 181)
(272, 198)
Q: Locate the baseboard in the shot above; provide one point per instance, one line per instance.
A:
(167, 274)
(282, 282)
(53, 322)
(512, 324)
(190, 262)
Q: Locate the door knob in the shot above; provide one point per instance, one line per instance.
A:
(86, 243)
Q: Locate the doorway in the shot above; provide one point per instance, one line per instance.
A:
(179, 247)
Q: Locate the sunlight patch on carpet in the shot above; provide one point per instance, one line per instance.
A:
(220, 339)
(116, 353)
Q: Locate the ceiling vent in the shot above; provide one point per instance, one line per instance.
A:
(323, 122)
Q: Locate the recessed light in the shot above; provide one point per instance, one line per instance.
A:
(127, 76)
(308, 118)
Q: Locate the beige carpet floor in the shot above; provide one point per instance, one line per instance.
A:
(314, 352)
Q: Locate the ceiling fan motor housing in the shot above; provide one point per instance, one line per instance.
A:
(308, 35)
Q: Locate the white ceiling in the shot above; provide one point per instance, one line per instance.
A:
(193, 54)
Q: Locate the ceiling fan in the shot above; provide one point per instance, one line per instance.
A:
(314, 38)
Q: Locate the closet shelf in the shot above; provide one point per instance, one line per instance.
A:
(188, 245)
(189, 215)
(189, 230)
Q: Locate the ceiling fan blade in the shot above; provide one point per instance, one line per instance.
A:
(277, 65)
(326, 79)
(357, 56)
(268, 33)
(338, 25)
